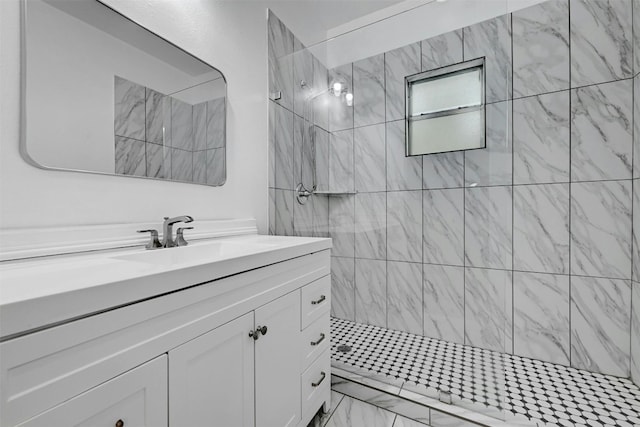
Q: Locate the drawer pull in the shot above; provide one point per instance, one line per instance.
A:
(322, 377)
(319, 300)
(319, 340)
(119, 423)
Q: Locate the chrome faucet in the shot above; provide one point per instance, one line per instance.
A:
(167, 229)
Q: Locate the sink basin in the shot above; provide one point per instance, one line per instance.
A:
(196, 253)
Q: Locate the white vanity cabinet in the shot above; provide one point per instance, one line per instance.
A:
(183, 359)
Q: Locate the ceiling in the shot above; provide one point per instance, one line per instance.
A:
(311, 19)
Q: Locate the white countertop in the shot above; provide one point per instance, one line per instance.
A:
(39, 292)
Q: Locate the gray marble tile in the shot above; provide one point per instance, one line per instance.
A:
(368, 91)
(600, 41)
(493, 164)
(601, 132)
(322, 143)
(488, 311)
(216, 166)
(158, 161)
(216, 123)
(272, 211)
(301, 137)
(600, 325)
(636, 120)
(407, 422)
(371, 225)
(303, 218)
(541, 316)
(488, 227)
(130, 156)
(200, 127)
(200, 167)
(370, 158)
(443, 226)
(354, 413)
(340, 114)
(181, 165)
(404, 297)
(404, 226)
(636, 36)
(444, 302)
(635, 232)
(157, 109)
(444, 170)
(320, 216)
(492, 39)
(635, 332)
(343, 288)
(342, 225)
(403, 173)
(441, 419)
(341, 163)
(442, 50)
(541, 48)
(541, 228)
(302, 72)
(272, 144)
(601, 229)
(280, 43)
(129, 109)
(398, 64)
(181, 125)
(284, 200)
(320, 87)
(371, 292)
(282, 136)
(541, 139)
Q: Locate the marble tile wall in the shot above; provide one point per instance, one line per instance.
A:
(529, 246)
(159, 136)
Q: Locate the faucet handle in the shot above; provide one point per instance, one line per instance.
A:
(154, 243)
(180, 241)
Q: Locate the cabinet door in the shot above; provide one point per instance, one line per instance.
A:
(211, 378)
(135, 398)
(278, 363)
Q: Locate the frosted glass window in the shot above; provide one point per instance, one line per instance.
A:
(445, 109)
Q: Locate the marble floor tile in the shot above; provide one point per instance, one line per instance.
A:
(443, 226)
(371, 292)
(488, 227)
(407, 422)
(181, 165)
(284, 200)
(216, 166)
(635, 332)
(157, 108)
(601, 132)
(444, 302)
(340, 114)
(398, 64)
(600, 325)
(200, 126)
(404, 226)
(493, 164)
(282, 136)
(541, 316)
(541, 139)
(541, 228)
(541, 48)
(442, 50)
(354, 413)
(371, 225)
(370, 158)
(492, 39)
(342, 225)
(444, 170)
(488, 311)
(181, 125)
(341, 162)
(217, 123)
(158, 161)
(441, 419)
(130, 156)
(403, 173)
(601, 229)
(368, 91)
(343, 288)
(600, 41)
(129, 109)
(404, 297)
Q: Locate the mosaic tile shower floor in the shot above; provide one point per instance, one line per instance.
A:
(545, 393)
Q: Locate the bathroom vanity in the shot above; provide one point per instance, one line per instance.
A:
(231, 331)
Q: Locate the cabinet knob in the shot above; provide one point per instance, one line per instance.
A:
(255, 334)
(263, 330)
(119, 423)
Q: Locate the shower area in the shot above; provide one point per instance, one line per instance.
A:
(495, 286)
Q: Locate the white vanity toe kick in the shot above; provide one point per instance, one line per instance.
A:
(46, 291)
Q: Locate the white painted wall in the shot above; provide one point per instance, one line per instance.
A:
(230, 35)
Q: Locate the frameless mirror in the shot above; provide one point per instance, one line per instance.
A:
(103, 94)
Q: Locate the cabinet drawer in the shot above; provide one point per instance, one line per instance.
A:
(316, 384)
(135, 398)
(315, 340)
(316, 300)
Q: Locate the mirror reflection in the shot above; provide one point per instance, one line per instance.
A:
(106, 95)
